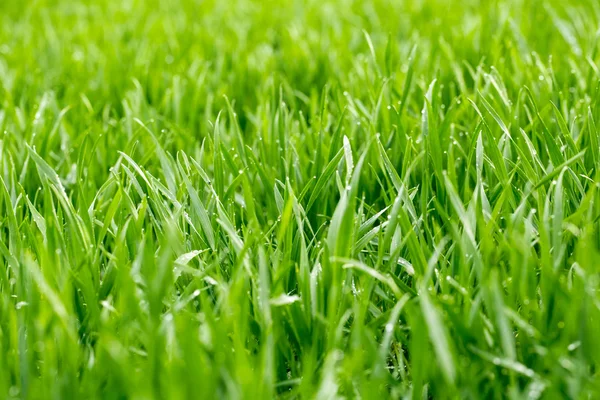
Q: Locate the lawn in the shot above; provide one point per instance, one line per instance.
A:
(299, 199)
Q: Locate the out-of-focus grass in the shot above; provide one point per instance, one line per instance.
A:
(301, 199)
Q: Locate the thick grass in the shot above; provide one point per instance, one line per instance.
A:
(301, 199)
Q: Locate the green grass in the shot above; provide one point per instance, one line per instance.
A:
(299, 199)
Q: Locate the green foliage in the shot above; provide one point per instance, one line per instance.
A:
(299, 199)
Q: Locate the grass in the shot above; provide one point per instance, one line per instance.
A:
(299, 199)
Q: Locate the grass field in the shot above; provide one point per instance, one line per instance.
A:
(299, 199)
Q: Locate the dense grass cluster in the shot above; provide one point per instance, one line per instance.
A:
(302, 199)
